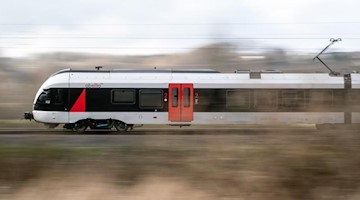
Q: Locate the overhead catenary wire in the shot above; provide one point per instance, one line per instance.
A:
(167, 35)
(183, 24)
(168, 48)
(9, 37)
(178, 38)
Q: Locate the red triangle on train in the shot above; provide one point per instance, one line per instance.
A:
(80, 104)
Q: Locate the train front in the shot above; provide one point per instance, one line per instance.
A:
(50, 100)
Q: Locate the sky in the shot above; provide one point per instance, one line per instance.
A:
(144, 27)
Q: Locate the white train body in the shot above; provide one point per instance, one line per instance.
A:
(179, 97)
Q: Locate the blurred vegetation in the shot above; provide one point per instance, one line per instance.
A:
(21, 77)
(285, 166)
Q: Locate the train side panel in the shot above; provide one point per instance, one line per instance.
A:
(143, 98)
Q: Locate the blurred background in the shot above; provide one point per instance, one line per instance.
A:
(39, 37)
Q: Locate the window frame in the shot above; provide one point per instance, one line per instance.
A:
(239, 107)
(285, 98)
(158, 92)
(327, 103)
(123, 103)
(48, 95)
(187, 98)
(259, 92)
(175, 99)
(56, 92)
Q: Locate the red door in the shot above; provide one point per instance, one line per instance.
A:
(181, 98)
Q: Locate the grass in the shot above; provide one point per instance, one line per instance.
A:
(276, 167)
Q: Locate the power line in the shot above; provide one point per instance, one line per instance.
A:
(180, 38)
(181, 24)
(96, 47)
(156, 48)
(190, 35)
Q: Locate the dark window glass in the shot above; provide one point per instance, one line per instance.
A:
(238, 99)
(293, 99)
(174, 97)
(123, 96)
(58, 96)
(266, 99)
(187, 97)
(44, 97)
(321, 97)
(150, 98)
(355, 97)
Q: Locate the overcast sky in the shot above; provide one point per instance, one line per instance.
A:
(167, 26)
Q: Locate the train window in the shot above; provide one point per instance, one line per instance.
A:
(266, 99)
(58, 96)
(151, 98)
(123, 96)
(44, 97)
(355, 97)
(293, 98)
(321, 97)
(174, 97)
(238, 99)
(187, 97)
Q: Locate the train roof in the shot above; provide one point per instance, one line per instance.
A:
(139, 71)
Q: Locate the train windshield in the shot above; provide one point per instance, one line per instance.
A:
(44, 97)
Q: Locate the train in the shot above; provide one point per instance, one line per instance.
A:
(123, 98)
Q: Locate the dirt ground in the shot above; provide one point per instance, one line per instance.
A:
(266, 165)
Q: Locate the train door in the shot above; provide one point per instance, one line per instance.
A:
(181, 105)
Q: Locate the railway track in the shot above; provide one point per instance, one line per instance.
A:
(177, 131)
(191, 138)
(174, 130)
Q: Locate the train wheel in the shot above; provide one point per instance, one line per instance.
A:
(69, 126)
(121, 126)
(81, 126)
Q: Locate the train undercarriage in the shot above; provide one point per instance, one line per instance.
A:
(107, 124)
(92, 124)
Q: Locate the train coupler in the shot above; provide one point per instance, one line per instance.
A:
(29, 116)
